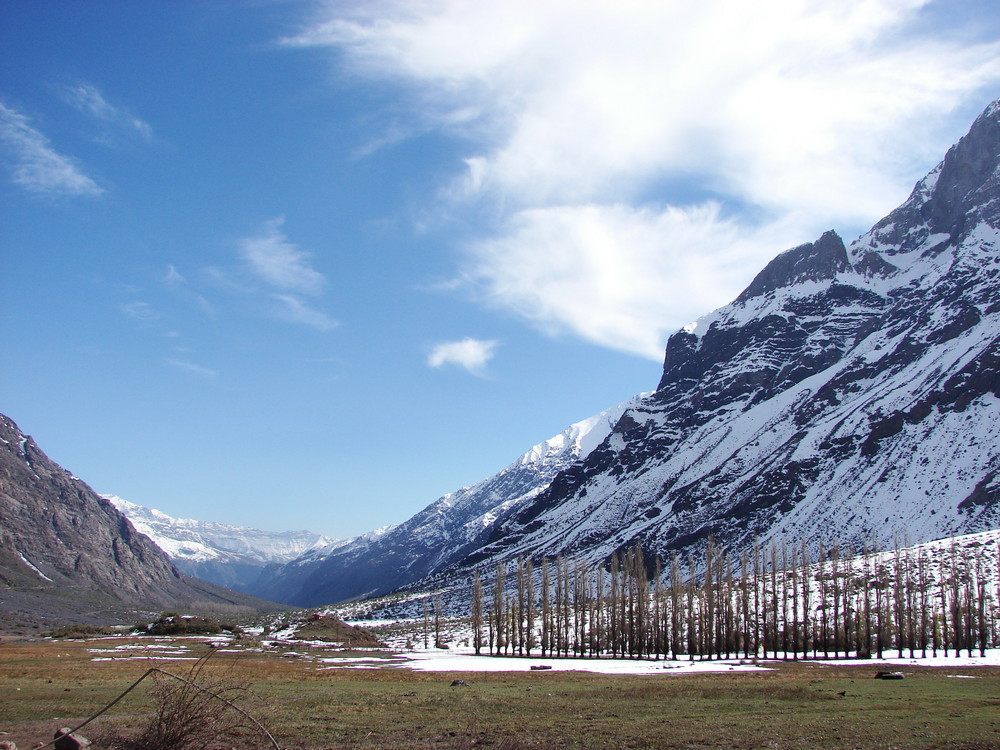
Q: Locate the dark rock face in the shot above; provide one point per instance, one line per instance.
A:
(815, 261)
(57, 532)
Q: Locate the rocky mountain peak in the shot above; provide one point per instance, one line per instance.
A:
(962, 191)
(821, 260)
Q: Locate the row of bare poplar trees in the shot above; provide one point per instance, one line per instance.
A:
(766, 602)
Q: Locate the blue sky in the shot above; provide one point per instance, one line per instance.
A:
(312, 265)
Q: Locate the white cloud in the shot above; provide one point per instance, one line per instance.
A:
(191, 367)
(173, 276)
(276, 276)
(471, 354)
(616, 275)
(792, 115)
(37, 166)
(271, 258)
(89, 100)
(141, 311)
(294, 310)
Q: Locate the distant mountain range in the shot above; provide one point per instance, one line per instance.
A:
(850, 392)
(231, 556)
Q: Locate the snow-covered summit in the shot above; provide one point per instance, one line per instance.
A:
(221, 553)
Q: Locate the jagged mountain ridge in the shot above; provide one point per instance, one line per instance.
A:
(231, 556)
(442, 533)
(68, 554)
(849, 392)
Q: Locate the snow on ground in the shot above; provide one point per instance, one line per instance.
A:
(145, 658)
(325, 656)
(423, 661)
(432, 661)
(992, 659)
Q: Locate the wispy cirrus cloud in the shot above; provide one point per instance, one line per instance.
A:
(616, 275)
(191, 367)
(469, 354)
(89, 100)
(694, 141)
(272, 259)
(139, 310)
(173, 277)
(36, 166)
(278, 275)
(294, 310)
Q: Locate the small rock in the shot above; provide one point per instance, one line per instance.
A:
(65, 739)
(459, 683)
(7, 745)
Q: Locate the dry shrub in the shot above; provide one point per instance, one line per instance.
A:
(79, 631)
(195, 713)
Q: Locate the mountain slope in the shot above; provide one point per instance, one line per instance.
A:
(66, 553)
(437, 536)
(231, 556)
(847, 392)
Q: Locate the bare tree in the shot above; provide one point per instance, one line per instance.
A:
(675, 605)
(530, 640)
(546, 610)
(807, 577)
(500, 607)
(477, 612)
(438, 643)
(690, 591)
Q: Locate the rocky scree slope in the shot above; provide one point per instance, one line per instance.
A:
(65, 552)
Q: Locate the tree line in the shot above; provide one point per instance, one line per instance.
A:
(772, 601)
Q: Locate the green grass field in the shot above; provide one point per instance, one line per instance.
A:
(46, 684)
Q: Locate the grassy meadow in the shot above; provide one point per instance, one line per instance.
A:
(313, 706)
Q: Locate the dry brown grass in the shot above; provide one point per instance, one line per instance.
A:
(797, 705)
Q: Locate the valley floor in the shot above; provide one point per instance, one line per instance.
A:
(315, 697)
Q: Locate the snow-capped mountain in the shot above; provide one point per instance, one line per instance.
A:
(440, 534)
(849, 392)
(232, 556)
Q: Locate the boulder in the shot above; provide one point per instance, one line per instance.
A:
(66, 739)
